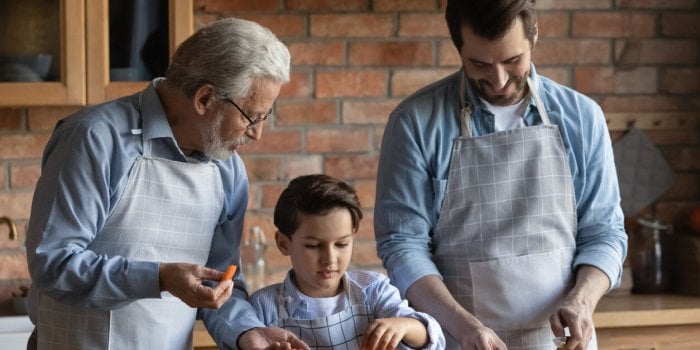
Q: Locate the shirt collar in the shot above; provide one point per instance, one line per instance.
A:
(153, 118)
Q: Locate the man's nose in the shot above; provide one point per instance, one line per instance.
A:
(255, 132)
(499, 77)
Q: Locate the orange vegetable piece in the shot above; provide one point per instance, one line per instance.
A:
(229, 273)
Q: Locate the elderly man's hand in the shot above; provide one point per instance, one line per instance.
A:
(184, 281)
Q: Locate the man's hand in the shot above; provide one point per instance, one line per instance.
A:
(270, 338)
(184, 281)
(480, 338)
(576, 312)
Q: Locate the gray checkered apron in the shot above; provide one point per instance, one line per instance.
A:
(167, 213)
(340, 331)
(505, 239)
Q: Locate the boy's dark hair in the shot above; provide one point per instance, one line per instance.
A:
(314, 195)
(489, 19)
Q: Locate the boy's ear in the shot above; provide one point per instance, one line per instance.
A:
(282, 243)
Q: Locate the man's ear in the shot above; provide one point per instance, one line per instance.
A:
(534, 37)
(203, 97)
(282, 243)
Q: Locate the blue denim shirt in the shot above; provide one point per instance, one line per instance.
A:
(84, 171)
(415, 159)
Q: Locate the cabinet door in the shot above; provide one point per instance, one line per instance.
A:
(49, 28)
(103, 84)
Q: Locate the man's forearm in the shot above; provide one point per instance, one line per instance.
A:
(591, 284)
(430, 295)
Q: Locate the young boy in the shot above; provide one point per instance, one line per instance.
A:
(323, 304)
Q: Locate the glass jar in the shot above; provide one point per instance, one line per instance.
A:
(253, 259)
(646, 253)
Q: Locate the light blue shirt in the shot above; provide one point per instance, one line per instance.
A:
(415, 159)
(378, 294)
(85, 168)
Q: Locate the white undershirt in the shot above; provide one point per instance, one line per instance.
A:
(322, 307)
(507, 117)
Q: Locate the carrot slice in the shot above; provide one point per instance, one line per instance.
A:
(229, 273)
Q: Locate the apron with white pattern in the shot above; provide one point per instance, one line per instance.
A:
(167, 213)
(505, 240)
(341, 331)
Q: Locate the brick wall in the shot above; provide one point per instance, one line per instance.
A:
(353, 61)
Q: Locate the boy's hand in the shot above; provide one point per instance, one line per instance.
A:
(386, 333)
(270, 338)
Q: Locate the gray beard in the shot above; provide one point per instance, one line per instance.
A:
(216, 147)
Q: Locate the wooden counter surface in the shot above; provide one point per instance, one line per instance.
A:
(635, 310)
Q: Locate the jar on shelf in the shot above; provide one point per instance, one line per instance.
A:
(646, 253)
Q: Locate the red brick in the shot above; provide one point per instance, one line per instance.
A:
(283, 25)
(366, 230)
(406, 82)
(262, 219)
(608, 80)
(237, 6)
(23, 146)
(303, 165)
(271, 192)
(363, 83)
(11, 119)
(404, 5)
(368, 112)
(317, 53)
(14, 266)
(448, 55)
(680, 80)
(656, 4)
(24, 175)
(366, 191)
(45, 118)
(594, 80)
(558, 74)
(326, 5)
(553, 24)
(352, 25)
(581, 51)
(263, 168)
(662, 51)
(16, 205)
(423, 25)
(403, 53)
(274, 141)
(314, 112)
(338, 140)
(365, 254)
(299, 85)
(680, 24)
(573, 4)
(614, 103)
(613, 24)
(352, 167)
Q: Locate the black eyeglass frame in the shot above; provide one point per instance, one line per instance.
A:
(252, 122)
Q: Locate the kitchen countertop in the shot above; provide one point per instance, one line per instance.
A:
(614, 311)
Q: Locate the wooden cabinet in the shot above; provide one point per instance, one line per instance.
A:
(83, 58)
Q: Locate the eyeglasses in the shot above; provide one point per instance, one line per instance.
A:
(252, 121)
